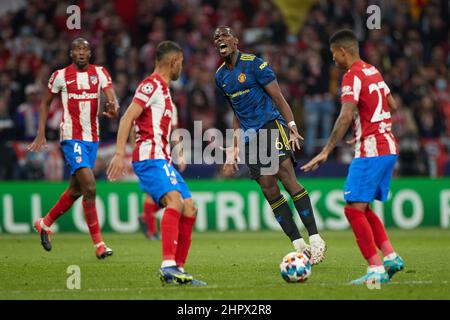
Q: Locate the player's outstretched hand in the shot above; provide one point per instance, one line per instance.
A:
(294, 138)
(115, 168)
(181, 164)
(315, 162)
(112, 110)
(351, 141)
(232, 159)
(39, 143)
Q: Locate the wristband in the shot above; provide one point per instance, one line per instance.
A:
(291, 124)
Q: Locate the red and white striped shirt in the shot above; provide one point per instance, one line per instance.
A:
(80, 97)
(154, 125)
(364, 86)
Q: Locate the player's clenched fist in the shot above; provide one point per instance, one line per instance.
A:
(116, 168)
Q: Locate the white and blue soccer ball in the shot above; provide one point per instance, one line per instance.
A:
(295, 267)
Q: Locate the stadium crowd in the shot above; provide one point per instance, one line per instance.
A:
(411, 50)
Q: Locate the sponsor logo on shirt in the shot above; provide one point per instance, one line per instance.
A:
(370, 71)
(239, 93)
(83, 96)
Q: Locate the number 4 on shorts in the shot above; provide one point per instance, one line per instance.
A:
(77, 148)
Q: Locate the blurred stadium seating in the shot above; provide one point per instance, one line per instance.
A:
(411, 49)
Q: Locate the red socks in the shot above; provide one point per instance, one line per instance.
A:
(90, 213)
(169, 233)
(184, 239)
(379, 233)
(64, 203)
(364, 236)
(149, 217)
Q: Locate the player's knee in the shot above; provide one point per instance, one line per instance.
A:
(190, 210)
(89, 191)
(270, 191)
(290, 184)
(75, 194)
(173, 200)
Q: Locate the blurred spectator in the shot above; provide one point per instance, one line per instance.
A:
(411, 161)
(27, 114)
(428, 118)
(7, 131)
(412, 51)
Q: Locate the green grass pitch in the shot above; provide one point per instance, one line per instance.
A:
(235, 265)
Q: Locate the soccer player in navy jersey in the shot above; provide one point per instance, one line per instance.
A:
(252, 90)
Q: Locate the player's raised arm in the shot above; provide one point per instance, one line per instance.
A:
(40, 141)
(274, 91)
(116, 167)
(339, 130)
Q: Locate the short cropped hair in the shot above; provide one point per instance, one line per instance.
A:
(345, 38)
(166, 47)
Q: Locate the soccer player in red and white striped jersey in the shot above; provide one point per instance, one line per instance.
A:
(151, 112)
(366, 103)
(79, 86)
(148, 218)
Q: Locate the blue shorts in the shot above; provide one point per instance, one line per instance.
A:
(79, 154)
(157, 177)
(369, 178)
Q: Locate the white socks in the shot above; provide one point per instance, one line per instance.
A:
(315, 237)
(299, 245)
(43, 226)
(391, 256)
(376, 269)
(99, 244)
(168, 263)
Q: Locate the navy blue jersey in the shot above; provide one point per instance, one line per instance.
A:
(244, 88)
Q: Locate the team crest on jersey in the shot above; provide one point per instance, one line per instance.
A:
(173, 180)
(347, 90)
(147, 88)
(242, 77)
(78, 159)
(94, 79)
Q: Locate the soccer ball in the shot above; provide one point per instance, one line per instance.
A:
(295, 267)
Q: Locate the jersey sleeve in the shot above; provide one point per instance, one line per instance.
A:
(104, 78)
(218, 82)
(263, 73)
(56, 82)
(144, 94)
(350, 88)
